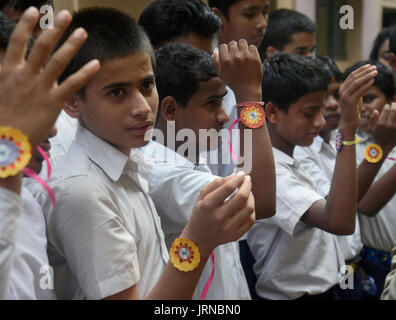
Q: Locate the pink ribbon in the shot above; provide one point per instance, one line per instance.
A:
(209, 283)
(31, 174)
(393, 159)
(229, 140)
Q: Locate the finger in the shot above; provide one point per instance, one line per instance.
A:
(76, 81)
(63, 56)
(392, 116)
(216, 62)
(233, 47)
(240, 199)
(47, 40)
(211, 187)
(217, 197)
(374, 120)
(241, 217)
(357, 74)
(384, 114)
(246, 226)
(360, 85)
(224, 53)
(243, 45)
(17, 47)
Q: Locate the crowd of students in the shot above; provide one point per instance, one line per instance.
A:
(129, 212)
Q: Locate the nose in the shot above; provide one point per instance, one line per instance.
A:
(331, 103)
(262, 22)
(222, 116)
(140, 107)
(319, 121)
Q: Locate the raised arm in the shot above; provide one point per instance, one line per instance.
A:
(239, 65)
(337, 215)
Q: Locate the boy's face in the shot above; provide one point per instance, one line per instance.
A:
(303, 121)
(302, 43)
(383, 54)
(247, 19)
(373, 99)
(121, 102)
(332, 109)
(204, 110)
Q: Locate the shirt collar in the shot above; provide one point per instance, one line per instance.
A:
(281, 157)
(108, 158)
(317, 144)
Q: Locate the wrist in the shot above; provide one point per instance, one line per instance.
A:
(254, 94)
(204, 248)
(348, 132)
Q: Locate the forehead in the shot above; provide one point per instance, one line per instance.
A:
(311, 100)
(374, 90)
(250, 4)
(213, 88)
(384, 47)
(130, 69)
(302, 39)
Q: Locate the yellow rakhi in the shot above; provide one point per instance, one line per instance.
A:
(15, 152)
(184, 255)
(373, 153)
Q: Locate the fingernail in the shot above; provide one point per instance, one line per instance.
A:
(249, 177)
(80, 33)
(241, 173)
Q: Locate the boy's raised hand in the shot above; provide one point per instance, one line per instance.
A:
(30, 99)
(384, 129)
(215, 221)
(351, 92)
(240, 67)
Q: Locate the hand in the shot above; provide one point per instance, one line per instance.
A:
(351, 92)
(240, 67)
(30, 99)
(213, 221)
(384, 131)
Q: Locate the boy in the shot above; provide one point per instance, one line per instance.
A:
(241, 19)
(172, 21)
(289, 32)
(105, 238)
(377, 206)
(191, 93)
(38, 116)
(296, 253)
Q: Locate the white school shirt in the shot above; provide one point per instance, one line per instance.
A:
(105, 235)
(175, 184)
(31, 278)
(10, 210)
(378, 232)
(226, 166)
(319, 161)
(293, 258)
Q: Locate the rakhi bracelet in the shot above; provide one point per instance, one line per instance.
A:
(252, 116)
(15, 152)
(185, 257)
(340, 142)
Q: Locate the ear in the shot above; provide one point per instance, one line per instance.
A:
(73, 106)
(270, 51)
(272, 112)
(220, 15)
(169, 108)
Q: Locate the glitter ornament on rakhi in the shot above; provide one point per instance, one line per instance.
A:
(15, 152)
(373, 153)
(184, 255)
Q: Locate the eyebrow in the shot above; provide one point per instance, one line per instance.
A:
(219, 96)
(125, 84)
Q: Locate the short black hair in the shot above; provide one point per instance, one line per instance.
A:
(287, 78)
(166, 20)
(330, 68)
(22, 5)
(222, 5)
(111, 34)
(379, 41)
(282, 24)
(180, 69)
(383, 81)
(6, 28)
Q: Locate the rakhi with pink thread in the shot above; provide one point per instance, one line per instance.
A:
(393, 159)
(252, 116)
(31, 174)
(209, 283)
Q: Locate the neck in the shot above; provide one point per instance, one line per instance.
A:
(325, 135)
(279, 142)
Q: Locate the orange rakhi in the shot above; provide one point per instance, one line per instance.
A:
(252, 114)
(373, 153)
(184, 255)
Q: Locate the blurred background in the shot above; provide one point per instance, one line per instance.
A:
(345, 46)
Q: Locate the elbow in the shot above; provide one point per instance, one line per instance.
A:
(367, 212)
(343, 229)
(266, 211)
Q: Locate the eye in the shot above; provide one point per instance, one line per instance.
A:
(368, 99)
(308, 115)
(117, 92)
(148, 85)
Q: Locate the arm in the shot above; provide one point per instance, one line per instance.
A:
(374, 197)
(35, 84)
(337, 215)
(239, 65)
(212, 223)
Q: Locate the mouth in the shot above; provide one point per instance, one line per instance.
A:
(333, 118)
(140, 129)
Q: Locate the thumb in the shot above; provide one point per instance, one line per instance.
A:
(216, 62)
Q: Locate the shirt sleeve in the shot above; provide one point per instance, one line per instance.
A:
(10, 210)
(294, 196)
(89, 230)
